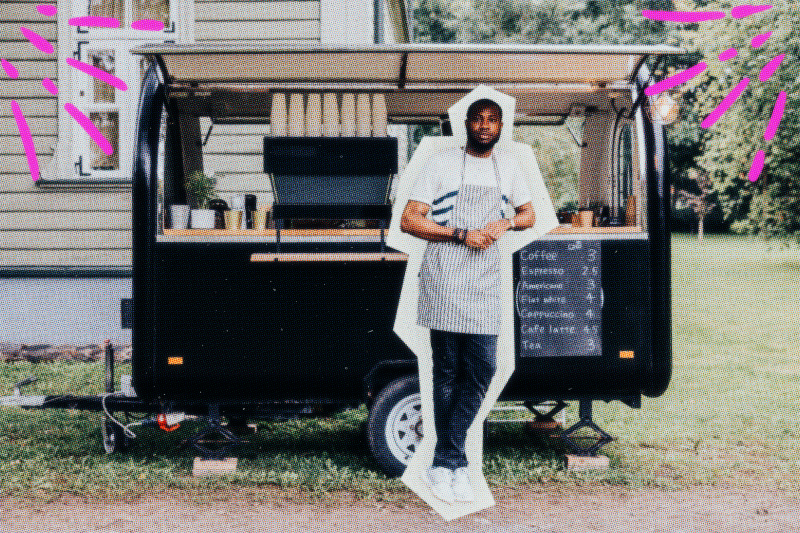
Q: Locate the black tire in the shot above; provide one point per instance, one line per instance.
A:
(398, 405)
(114, 439)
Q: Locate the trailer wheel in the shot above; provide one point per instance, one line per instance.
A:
(394, 426)
(114, 439)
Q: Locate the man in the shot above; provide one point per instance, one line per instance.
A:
(468, 192)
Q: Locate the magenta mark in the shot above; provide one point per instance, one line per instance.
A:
(98, 73)
(727, 54)
(758, 40)
(50, 86)
(723, 106)
(777, 115)
(27, 140)
(90, 128)
(683, 16)
(148, 25)
(37, 40)
(47, 10)
(9, 68)
(771, 66)
(741, 12)
(95, 22)
(757, 166)
(675, 79)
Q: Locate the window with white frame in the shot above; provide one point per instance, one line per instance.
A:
(112, 110)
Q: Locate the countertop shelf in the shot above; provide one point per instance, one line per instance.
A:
(563, 228)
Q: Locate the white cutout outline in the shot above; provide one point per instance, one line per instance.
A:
(417, 338)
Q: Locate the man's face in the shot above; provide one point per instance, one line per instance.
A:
(483, 127)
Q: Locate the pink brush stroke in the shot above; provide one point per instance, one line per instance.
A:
(675, 79)
(98, 73)
(10, 69)
(777, 115)
(95, 22)
(47, 10)
(757, 166)
(741, 12)
(148, 25)
(723, 106)
(770, 67)
(87, 125)
(727, 54)
(758, 40)
(37, 40)
(685, 17)
(27, 140)
(50, 86)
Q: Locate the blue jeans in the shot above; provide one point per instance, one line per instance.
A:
(463, 366)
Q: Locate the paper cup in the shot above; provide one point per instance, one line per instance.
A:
(379, 116)
(297, 115)
(277, 116)
(314, 115)
(260, 217)
(233, 219)
(363, 115)
(348, 115)
(330, 115)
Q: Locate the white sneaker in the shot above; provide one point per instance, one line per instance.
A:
(440, 480)
(462, 489)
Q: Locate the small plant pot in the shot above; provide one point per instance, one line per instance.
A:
(180, 216)
(203, 218)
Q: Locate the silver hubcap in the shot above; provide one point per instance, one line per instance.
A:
(404, 427)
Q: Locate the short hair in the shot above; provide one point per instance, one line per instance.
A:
(480, 104)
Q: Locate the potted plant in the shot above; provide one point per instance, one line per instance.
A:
(199, 191)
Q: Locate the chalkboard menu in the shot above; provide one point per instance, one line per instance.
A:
(559, 299)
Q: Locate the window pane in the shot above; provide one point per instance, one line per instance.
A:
(104, 60)
(108, 124)
(151, 9)
(107, 8)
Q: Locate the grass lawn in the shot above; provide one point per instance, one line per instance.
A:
(730, 415)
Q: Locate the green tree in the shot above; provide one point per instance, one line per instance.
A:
(768, 207)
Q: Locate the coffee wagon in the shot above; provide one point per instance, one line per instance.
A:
(296, 318)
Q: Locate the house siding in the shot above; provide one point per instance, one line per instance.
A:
(48, 225)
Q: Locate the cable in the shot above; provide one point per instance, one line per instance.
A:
(128, 432)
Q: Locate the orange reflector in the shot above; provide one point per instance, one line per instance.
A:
(174, 360)
(626, 354)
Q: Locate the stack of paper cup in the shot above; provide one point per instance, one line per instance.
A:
(379, 115)
(297, 115)
(348, 115)
(314, 115)
(363, 115)
(330, 115)
(277, 115)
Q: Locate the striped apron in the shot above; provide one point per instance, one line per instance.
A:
(460, 285)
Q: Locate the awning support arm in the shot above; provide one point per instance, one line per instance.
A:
(640, 96)
(401, 82)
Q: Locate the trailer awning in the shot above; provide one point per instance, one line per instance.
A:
(401, 65)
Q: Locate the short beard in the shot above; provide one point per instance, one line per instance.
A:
(481, 147)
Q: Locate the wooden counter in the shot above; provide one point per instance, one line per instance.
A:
(563, 228)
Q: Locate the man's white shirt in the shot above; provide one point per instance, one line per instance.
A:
(439, 181)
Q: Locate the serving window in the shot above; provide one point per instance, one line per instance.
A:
(587, 148)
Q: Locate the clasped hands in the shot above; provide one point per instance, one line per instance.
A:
(483, 238)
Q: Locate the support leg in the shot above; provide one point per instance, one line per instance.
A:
(593, 443)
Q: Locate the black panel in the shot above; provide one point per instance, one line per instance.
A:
(126, 313)
(325, 156)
